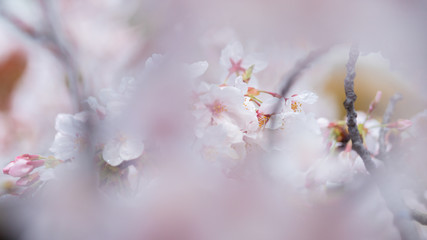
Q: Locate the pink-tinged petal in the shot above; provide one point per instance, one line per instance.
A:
(374, 103)
(7, 168)
(28, 180)
(18, 168)
(28, 157)
(236, 67)
(36, 163)
(233, 51)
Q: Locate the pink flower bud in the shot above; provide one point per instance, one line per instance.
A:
(23, 165)
(28, 180)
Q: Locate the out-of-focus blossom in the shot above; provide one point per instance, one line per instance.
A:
(123, 149)
(28, 179)
(224, 105)
(236, 62)
(71, 135)
(220, 141)
(288, 107)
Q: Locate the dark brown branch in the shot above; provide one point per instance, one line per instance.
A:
(386, 119)
(388, 190)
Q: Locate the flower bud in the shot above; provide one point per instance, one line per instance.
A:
(28, 179)
(23, 165)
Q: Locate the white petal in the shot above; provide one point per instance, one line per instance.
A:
(306, 97)
(111, 153)
(197, 69)
(255, 60)
(131, 149)
(238, 83)
(275, 122)
(64, 123)
(80, 118)
(269, 105)
(64, 146)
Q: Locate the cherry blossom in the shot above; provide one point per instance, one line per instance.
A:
(118, 150)
(236, 62)
(225, 105)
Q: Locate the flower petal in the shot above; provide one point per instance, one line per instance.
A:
(110, 154)
(131, 149)
(197, 69)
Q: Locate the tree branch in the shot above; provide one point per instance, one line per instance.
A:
(351, 97)
(388, 191)
(290, 79)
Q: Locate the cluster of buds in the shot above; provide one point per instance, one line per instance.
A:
(23, 168)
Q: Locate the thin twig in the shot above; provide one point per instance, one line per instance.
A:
(387, 189)
(20, 25)
(386, 119)
(290, 79)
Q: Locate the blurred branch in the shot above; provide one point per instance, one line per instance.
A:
(62, 50)
(386, 119)
(290, 79)
(20, 25)
(52, 39)
(421, 218)
(389, 193)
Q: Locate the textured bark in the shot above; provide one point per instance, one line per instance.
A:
(385, 182)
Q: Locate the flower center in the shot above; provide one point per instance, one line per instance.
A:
(217, 108)
(296, 106)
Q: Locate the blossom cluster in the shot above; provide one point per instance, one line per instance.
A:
(233, 120)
